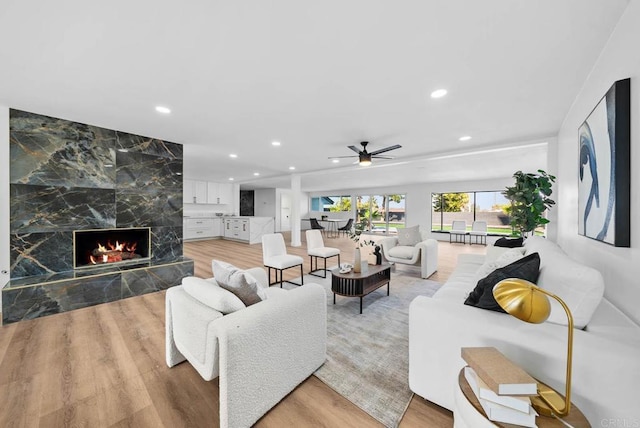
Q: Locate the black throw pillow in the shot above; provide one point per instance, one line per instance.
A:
(482, 296)
(509, 242)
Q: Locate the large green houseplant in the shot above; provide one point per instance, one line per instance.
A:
(529, 200)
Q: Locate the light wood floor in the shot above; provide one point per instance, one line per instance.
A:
(104, 366)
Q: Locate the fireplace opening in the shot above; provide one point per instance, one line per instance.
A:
(111, 246)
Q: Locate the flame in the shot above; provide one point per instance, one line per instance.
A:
(110, 252)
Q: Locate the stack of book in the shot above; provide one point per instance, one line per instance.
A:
(502, 388)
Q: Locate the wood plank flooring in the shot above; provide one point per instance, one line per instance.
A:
(104, 366)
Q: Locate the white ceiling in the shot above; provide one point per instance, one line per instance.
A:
(316, 76)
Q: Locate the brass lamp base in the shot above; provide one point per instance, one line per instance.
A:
(548, 402)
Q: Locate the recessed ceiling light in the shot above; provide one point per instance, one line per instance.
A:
(336, 161)
(438, 93)
(292, 168)
(275, 143)
(163, 109)
(233, 155)
(123, 150)
(230, 178)
(465, 138)
(256, 174)
(178, 173)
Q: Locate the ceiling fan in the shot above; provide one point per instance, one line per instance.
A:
(364, 157)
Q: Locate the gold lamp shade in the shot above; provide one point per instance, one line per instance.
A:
(520, 298)
(530, 303)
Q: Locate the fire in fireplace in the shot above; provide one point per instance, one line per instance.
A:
(107, 246)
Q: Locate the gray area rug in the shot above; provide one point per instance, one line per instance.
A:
(368, 354)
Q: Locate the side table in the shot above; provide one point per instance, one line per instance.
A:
(468, 413)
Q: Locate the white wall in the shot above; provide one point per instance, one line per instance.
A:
(4, 198)
(620, 266)
(264, 203)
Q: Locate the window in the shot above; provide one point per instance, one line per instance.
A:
(331, 203)
(383, 214)
(470, 206)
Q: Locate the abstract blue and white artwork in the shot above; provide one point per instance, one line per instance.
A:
(604, 168)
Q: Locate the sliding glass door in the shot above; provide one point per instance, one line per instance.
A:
(383, 214)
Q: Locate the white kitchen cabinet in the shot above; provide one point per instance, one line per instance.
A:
(194, 228)
(247, 229)
(219, 193)
(194, 192)
(217, 227)
(243, 230)
(228, 228)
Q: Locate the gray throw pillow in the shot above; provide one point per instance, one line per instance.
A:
(212, 295)
(239, 282)
(409, 236)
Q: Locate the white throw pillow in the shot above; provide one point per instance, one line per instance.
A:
(494, 252)
(409, 236)
(505, 258)
(212, 295)
(239, 282)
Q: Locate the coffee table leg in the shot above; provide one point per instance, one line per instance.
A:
(388, 285)
(360, 305)
(334, 298)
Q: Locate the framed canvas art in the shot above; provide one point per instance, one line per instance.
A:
(604, 169)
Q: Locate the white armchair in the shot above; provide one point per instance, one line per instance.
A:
(424, 253)
(260, 353)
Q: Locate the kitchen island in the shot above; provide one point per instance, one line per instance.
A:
(247, 229)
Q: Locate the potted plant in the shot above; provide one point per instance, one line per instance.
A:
(354, 235)
(529, 200)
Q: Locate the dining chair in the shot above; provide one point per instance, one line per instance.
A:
(274, 256)
(479, 232)
(316, 249)
(347, 227)
(315, 224)
(458, 228)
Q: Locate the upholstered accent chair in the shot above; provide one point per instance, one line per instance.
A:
(260, 353)
(316, 250)
(412, 247)
(274, 256)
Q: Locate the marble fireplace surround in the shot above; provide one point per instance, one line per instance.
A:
(68, 176)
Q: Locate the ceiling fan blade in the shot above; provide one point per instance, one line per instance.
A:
(382, 157)
(386, 149)
(355, 149)
(340, 157)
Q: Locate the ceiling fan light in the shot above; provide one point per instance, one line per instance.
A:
(365, 159)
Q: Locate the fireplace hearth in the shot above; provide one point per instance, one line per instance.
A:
(111, 246)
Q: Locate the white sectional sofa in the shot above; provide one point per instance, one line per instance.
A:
(606, 354)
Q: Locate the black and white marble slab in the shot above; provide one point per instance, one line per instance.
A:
(40, 253)
(49, 208)
(166, 243)
(30, 298)
(139, 170)
(149, 208)
(54, 152)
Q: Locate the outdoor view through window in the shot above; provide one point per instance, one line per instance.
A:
(383, 214)
(491, 207)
